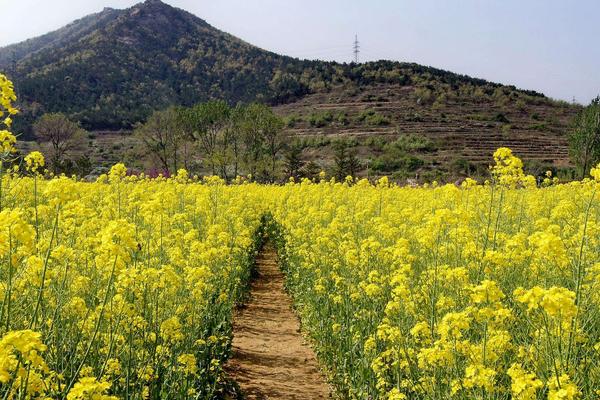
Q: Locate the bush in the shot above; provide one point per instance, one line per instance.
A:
(500, 117)
(463, 167)
(376, 143)
(414, 117)
(291, 121)
(539, 127)
(320, 120)
(317, 141)
(424, 96)
(388, 163)
(372, 118)
(413, 143)
(342, 118)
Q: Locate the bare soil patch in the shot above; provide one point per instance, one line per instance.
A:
(270, 358)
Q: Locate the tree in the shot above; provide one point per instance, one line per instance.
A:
(209, 125)
(311, 171)
(62, 134)
(346, 161)
(249, 129)
(247, 136)
(271, 131)
(584, 140)
(236, 142)
(260, 130)
(162, 136)
(287, 87)
(292, 160)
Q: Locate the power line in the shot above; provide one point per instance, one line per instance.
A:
(356, 49)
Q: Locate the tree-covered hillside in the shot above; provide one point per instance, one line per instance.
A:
(110, 70)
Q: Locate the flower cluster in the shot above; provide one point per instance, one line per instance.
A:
(508, 170)
(7, 142)
(34, 161)
(7, 97)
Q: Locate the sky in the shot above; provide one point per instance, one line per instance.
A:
(546, 45)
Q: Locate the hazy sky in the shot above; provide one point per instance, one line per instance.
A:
(547, 45)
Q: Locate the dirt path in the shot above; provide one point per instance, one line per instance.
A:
(270, 359)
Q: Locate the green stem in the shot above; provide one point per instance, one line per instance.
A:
(1, 181)
(96, 329)
(35, 204)
(42, 284)
(10, 277)
(579, 278)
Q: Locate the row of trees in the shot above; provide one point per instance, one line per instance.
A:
(214, 138)
(232, 141)
(245, 139)
(211, 138)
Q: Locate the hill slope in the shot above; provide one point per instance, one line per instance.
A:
(396, 131)
(74, 31)
(109, 70)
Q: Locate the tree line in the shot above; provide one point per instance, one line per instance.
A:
(232, 141)
(215, 138)
(208, 138)
(245, 139)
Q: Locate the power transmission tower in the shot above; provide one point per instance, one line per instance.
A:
(356, 49)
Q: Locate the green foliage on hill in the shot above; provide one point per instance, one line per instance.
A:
(584, 138)
(110, 70)
(399, 156)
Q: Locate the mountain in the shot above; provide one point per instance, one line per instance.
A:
(72, 32)
(111, 69)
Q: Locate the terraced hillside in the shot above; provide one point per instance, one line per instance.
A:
(461, 132)
(443, 140)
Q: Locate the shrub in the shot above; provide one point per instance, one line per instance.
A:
(413, 143)
(320, 120)
(500, 117)
(372, 118)
(389, 163)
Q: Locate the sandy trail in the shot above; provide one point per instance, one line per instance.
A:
(270, 359)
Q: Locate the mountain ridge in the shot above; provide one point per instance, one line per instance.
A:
(17, 51)
(137, 59)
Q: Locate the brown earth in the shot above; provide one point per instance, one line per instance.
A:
(462, 127)
(270, 359)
